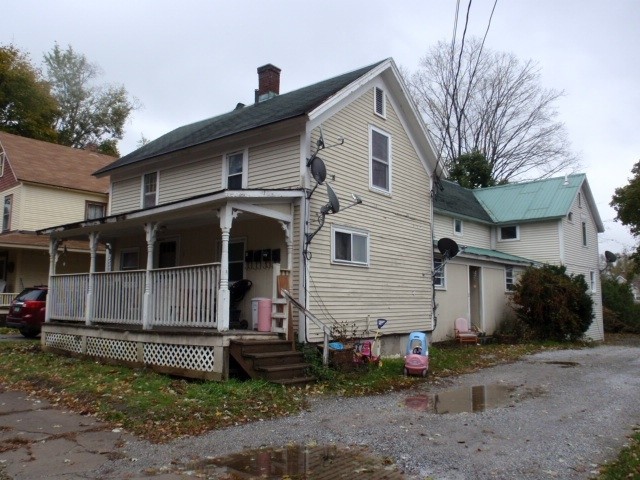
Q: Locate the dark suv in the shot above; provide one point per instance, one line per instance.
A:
(26, 312)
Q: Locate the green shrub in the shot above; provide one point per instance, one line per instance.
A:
(621, 313)
(556, 306)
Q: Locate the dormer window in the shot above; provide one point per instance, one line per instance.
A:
(380, 102)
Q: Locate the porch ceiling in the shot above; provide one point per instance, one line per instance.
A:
(191, 212)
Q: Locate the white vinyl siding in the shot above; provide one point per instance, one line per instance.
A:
(125, 195)
(400, 251)
(275, 165)
(476, 234)
(538, 241)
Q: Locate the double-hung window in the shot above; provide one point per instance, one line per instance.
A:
(508, 279)
(593, 281)
(150, 190)
(6, 214)
(350, 246)
(438, 273)
(129, 259)
(380, 167)
(95, 210)
(236, 171)
(457, 226)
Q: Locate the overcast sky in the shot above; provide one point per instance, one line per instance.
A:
(190, 60)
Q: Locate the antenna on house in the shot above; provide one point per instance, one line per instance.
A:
(610, 256)
(332, 206)
(448, 248)
(316, 164)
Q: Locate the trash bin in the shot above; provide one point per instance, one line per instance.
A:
(261, 314)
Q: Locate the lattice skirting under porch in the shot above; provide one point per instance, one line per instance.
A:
(199, 357)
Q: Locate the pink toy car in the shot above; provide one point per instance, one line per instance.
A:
(416, 360)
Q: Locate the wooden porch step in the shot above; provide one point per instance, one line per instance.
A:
(271, 360)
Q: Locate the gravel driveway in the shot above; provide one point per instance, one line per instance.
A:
(567, 412)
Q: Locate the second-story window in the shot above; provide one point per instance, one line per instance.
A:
(95, 210)
(584, 234)
(236, 171)
(6, 215)
(457, 226)
(510, 232)
(380, 160)
(150, 190)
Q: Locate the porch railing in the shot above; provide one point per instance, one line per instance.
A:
(185, 295)
(181, 296)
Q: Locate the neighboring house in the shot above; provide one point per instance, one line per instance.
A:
(504, 229)
(43, 184)
(232, 198)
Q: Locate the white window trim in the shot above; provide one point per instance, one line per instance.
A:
(500, 239)
(506, 278)
(443, 274)
(245, 167)
(461, 232)
(351, 231)
(142, 194)
(373, 187)
(593, 281)
(384, 102)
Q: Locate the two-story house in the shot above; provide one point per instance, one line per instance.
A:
(252, 195)
(42, 184)
(501, 231)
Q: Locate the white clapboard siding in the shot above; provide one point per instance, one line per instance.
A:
(538, 241)
(473, 233)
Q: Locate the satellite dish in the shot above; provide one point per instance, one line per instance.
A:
(610, 256)
(448, 247)
(318, 169)
(334, 203)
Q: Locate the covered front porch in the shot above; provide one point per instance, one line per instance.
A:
(174, 309)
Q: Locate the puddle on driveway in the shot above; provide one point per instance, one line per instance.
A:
(296, 461)
(463, 399)
(563, 364)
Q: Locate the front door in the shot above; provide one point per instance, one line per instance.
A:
(475, 297)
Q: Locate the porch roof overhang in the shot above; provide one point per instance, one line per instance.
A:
(190, 211)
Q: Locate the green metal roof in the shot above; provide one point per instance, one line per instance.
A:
(497, 255)
(528, 201)
(279, 108)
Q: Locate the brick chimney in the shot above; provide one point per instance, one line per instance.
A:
(268, 82)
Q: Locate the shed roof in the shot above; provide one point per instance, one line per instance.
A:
(452, 198)
(276, 109)
(48, 163)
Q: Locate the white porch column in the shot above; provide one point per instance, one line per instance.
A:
(53, 254)
(224, 300)
(108, 260)
(93, 247)
(150, 231)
